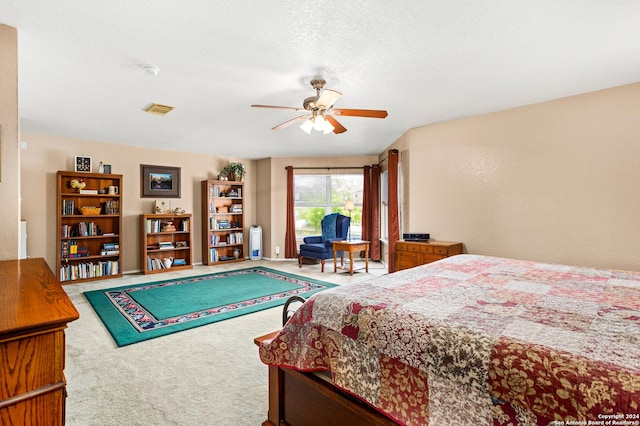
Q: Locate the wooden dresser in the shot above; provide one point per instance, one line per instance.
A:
(34, 312)
(414, 253)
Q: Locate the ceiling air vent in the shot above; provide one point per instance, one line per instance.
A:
(158, 109)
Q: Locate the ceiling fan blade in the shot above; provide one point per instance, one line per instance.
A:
(372, 113)
(327, 98)
(278, 107)
(337, 127)
(290, 122)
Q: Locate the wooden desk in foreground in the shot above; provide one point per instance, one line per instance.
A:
(34, 312)
(351, 247)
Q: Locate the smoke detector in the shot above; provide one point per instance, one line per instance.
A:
(150, 69)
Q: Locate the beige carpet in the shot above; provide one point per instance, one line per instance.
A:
(204, 376)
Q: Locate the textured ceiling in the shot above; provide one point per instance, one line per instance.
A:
(423, 61)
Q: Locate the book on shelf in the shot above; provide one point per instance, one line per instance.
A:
(68, 207)
(214, 191)
(84, 270)
(111, 207)
(213, 255)
(109, 249)
(235, 238)
(155, 263)
(223, 224)
(165, 245)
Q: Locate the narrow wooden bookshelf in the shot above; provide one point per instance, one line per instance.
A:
(166, 242)
(222, 222)
(89, 225)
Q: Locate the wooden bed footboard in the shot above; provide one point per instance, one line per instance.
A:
(307, 399)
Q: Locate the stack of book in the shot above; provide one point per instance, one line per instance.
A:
(165, 245)
(167, 227)
(109, 249)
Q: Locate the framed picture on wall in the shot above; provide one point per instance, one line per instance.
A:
(159, 181)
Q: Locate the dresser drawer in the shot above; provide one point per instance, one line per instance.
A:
(428, 258)
(441, 250)
(406, 260)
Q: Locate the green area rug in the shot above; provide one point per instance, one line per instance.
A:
(139, 312)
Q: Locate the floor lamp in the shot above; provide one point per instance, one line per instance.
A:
(349, 206)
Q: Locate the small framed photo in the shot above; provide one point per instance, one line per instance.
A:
(162, 206)
(159, 181)
(82, 164)
(107, 168)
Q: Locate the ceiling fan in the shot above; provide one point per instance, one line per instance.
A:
(320, 111)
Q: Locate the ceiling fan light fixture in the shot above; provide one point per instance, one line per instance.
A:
(318, 123)
(319, 105)
(307, 126)
(328, 128)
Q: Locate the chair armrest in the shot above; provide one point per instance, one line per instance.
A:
(329, 243)
(313, 239)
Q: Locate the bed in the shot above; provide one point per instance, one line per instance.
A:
(467, 340)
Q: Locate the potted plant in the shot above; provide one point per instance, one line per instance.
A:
(234, 171)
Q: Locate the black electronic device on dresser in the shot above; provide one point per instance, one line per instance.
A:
(415, 237)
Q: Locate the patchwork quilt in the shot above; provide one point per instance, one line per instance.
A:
(476, 340)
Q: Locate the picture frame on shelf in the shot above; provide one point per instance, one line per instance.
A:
(162, 206)
(159, 181)
(82, 163)
(107, 169)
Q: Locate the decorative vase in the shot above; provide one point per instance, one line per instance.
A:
(168, 261)
(236, 252)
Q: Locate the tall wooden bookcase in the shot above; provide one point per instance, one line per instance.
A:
(165, 236)
(89, 226)
(222, 222)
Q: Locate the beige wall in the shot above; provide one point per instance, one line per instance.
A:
(45, 155)
(9, 146)
(557, 181)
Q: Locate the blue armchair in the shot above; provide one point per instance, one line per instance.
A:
(335, 227)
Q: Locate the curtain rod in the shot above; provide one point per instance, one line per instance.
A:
(325, 168)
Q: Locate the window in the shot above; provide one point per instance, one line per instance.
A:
(318, 195)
